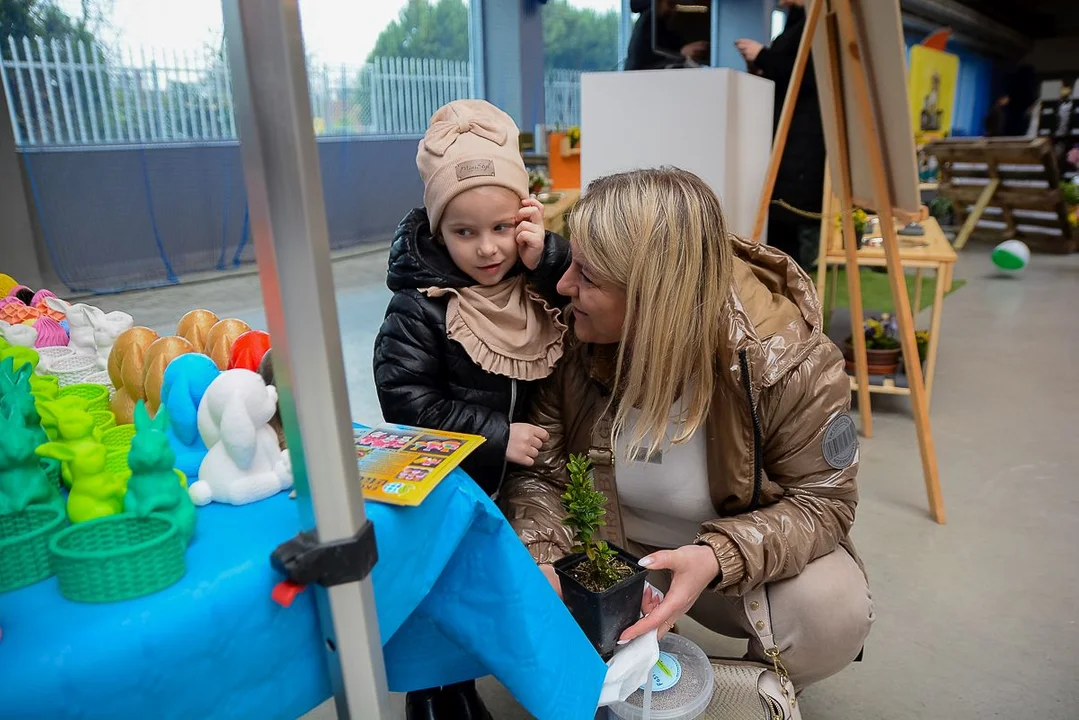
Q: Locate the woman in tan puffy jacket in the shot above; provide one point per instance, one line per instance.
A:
(716, 415)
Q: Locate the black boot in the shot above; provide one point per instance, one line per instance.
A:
(462, 702)
(423, 704)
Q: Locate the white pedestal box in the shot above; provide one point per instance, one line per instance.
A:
(716, 123)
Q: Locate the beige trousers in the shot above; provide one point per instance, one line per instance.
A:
(820, 618)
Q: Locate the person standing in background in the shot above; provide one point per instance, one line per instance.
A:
(800, 182)
(995, 121)
(641, 53)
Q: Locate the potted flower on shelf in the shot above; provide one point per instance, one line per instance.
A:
(882, 346)
(861, 223)
(538, 182)
(572, 141)
(602, 584)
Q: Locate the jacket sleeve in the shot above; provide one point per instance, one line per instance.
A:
(532, 497)
(775, 64)
(553, 265)
(816, 510)
(410, 375)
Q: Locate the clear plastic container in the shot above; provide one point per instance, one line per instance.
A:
(682, 684)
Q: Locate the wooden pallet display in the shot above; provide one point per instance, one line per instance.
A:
(1005, 188)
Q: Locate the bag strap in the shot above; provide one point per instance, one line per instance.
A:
(760, 616)
(759, 613)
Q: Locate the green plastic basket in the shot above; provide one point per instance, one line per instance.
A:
(118, 438)
(116, 463)
(103, 420)
(117, 557)
(24, 545)
(97, 396)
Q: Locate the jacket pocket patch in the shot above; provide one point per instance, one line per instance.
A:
(840, 443)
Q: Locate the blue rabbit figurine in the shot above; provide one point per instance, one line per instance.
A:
(185, 382)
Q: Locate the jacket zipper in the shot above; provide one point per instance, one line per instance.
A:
(758, 476)
(505, 461)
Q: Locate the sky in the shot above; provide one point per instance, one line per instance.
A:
(335, 31)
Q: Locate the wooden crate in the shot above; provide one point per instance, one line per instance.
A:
(1005, 188)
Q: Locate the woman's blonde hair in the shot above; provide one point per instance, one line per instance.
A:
(660, 235)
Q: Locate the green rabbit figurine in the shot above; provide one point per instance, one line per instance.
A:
(68, 422)
(95, 492)
(22, 480)
(154, 486)
(15, 394)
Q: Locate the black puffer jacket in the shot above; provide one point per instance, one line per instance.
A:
(427, 380)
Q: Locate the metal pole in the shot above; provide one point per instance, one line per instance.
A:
(288, 224)
(625, 30)
(713, 40)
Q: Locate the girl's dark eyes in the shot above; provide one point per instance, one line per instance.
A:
(502, 227)
(463, 232)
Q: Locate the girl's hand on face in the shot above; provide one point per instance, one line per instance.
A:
(530, 233)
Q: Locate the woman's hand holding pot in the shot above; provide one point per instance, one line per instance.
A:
(693, 568)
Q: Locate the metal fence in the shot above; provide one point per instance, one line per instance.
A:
(65, 93)
(562, 97)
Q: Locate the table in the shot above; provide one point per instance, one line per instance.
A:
(457, 595)
(554, 214)
(931, 251)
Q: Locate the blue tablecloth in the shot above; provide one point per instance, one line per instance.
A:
(457, 597)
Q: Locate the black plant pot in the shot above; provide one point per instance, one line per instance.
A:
(604, 615)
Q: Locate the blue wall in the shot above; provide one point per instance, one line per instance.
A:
(113, 219)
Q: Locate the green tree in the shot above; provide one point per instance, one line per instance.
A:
(574, 38)
(35, 18)
(578, 38)
(43, 19)
(426, 30)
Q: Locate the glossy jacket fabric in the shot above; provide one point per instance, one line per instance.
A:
(427, 380)
(781, 385)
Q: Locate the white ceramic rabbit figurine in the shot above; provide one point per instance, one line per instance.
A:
(23, 335)
(93, 332)
(107, 327)
(78, 325)
(243, 463)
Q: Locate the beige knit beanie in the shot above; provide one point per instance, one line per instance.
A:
(469, 143)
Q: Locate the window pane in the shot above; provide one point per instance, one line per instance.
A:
(578, 36)
(779, 21)
(385, 67)
(156, 71)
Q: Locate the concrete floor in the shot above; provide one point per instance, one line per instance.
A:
(976, 618)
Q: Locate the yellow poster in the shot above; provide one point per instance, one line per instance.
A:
(932, 81)
(401, 465)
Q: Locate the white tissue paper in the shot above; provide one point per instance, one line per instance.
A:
(631, 666)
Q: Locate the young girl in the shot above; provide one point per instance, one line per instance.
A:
(472, 323)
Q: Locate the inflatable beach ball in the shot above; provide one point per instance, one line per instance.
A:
(1011, 255)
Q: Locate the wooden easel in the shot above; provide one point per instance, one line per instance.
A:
(844, 51)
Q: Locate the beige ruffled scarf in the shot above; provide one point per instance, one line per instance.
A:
(507, 329)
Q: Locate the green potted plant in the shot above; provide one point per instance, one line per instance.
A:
(602, 584)
(942, 209)
(861, 223)
(574, 135)
(883, 351)
(538, 181)
(921, 337)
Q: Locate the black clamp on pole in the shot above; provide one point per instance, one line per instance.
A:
(304, 561)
